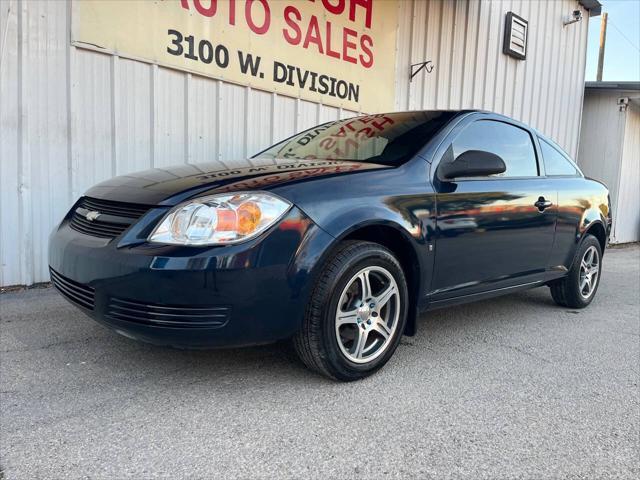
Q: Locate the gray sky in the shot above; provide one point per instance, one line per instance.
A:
(622, 55)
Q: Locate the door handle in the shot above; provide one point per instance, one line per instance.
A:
(542, 204)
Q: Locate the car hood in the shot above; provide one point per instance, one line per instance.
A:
(172, 185)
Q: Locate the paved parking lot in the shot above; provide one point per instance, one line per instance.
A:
(508, 388)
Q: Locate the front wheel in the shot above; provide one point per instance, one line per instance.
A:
(357, 313)
(579, 287)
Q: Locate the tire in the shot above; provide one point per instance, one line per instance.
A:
(570, 290)
(350, 343)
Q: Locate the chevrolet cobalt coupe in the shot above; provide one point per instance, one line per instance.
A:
(335, 238)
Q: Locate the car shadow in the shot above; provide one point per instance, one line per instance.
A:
(488, 314)
(278, 363)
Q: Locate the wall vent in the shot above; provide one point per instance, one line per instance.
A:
(516, 31)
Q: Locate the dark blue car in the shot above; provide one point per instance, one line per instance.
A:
(335, 238)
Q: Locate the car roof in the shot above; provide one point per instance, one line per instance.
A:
(498, 115)
(457, 113)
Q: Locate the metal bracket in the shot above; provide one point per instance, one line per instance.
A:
(427, 66)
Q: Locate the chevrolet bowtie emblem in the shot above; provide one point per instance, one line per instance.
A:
(93, 215)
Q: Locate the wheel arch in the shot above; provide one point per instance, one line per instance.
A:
(596, 228)
(401, 245)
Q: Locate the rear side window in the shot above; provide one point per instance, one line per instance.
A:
(511, 143)
(555, 162)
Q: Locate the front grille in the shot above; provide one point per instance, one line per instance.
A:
(113, 219)
(96, 228)
(168, 315)
(82, 295)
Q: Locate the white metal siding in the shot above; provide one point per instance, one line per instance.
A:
(628, 225)
(464, 39)
(70, 118)
(601, 140)
(610, 152)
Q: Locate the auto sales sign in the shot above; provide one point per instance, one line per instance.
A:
(338, 52)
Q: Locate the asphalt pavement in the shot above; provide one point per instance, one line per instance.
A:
(514, 387)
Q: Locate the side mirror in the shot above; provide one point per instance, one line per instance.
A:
(472, 163)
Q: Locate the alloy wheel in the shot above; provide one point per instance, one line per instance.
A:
(367, 314)
(589, 272)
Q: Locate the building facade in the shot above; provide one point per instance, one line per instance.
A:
(610, 150)
(82, 98)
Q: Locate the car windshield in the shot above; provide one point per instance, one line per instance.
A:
(388, 139)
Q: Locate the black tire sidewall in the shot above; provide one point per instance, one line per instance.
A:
(339, 364)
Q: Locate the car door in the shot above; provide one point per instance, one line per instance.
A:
(493, 232)
(567, 180)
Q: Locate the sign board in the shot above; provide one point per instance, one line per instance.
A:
(338, 52)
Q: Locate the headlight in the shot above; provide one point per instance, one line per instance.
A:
(220, 219)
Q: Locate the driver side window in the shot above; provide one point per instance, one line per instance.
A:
(511, 143)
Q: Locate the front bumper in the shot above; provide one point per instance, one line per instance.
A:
(235, 295)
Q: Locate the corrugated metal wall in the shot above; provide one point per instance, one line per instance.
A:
(610, 152)
(463, 39)
(628, 226)
(70, 118)
(601, 140)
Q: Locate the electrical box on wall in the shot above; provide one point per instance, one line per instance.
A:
(516, 31)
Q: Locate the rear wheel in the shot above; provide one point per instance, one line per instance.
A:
(357, 313)
(579, 287)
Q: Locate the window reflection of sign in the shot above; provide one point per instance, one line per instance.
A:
(378, 138)
(356, 139)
